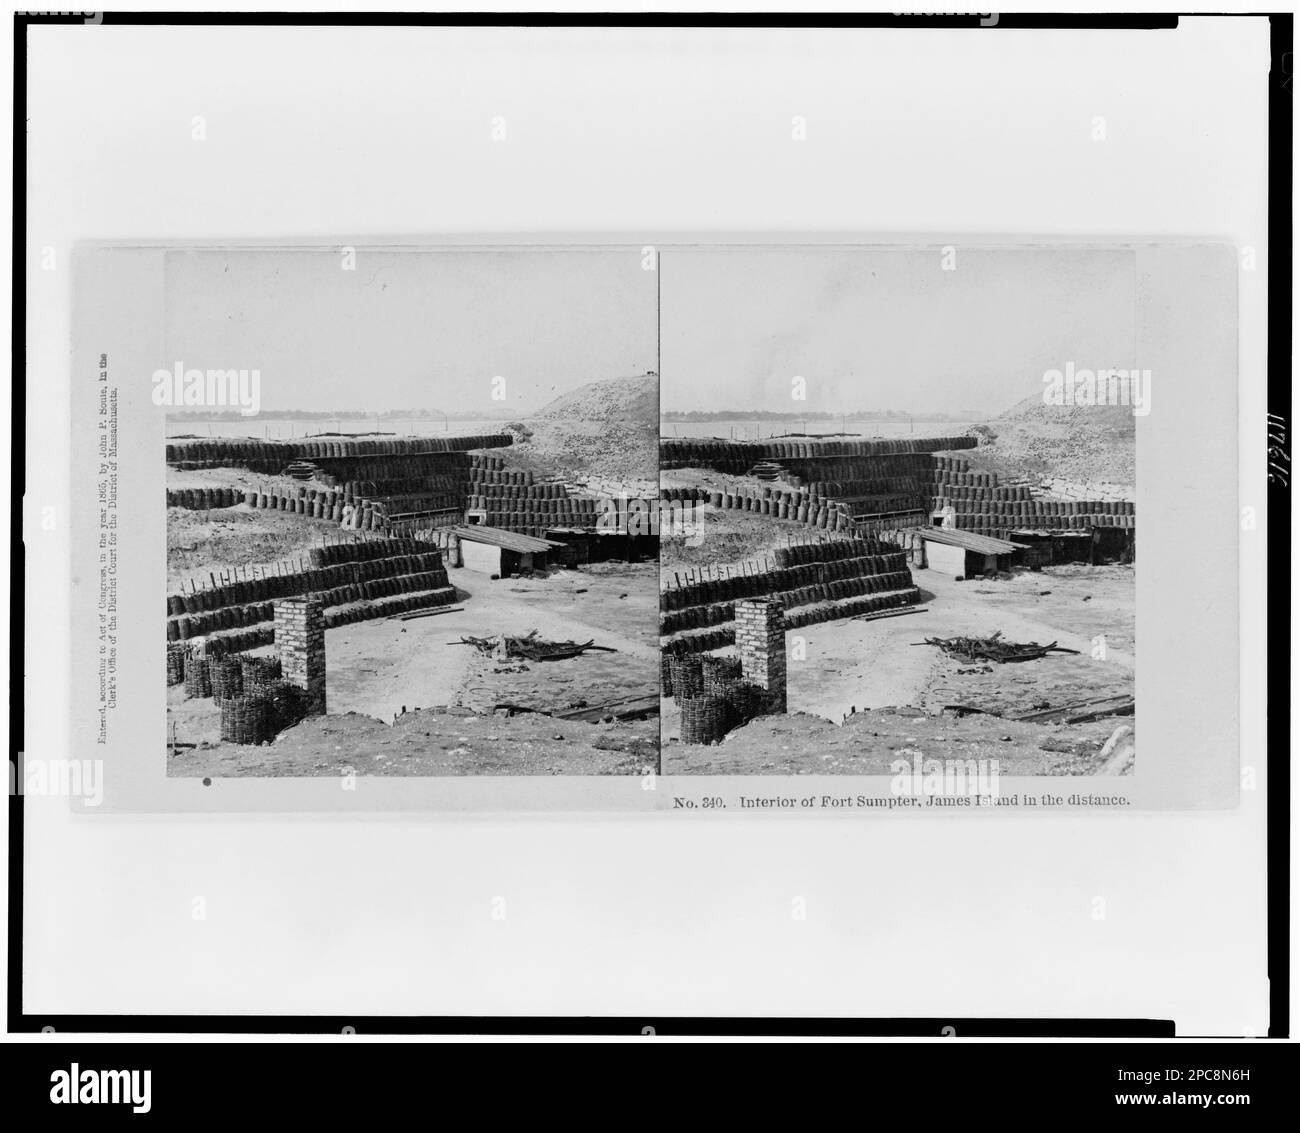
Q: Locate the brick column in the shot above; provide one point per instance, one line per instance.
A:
(760, 641)
(300, 642)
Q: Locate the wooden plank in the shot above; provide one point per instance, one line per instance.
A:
(1080, 712)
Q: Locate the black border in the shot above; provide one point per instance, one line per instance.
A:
(1281, 189)
(1281, 27)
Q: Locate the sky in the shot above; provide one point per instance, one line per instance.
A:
(878, 330)
(412, 329)
(866, 329)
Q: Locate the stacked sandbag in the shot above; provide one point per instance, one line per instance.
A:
(820, 572)
(365, 551)
(356, 571)
(272, 456)
(695, 642)
(794, 505)
(999, 518)
(204, 499)
(224, 642)
(983, 505)
(737, 457)
(716, 613)
(366, 609)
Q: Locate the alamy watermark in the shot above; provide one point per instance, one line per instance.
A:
(919, 777)
(75, 1086)
(1077, 386)
(61, 778)
(209, 389)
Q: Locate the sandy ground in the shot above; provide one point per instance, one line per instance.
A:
(1084, 445)
(838, 668)
(379, 669)
(200, 541)
(731, 537)
(870, 741)
(432, 743)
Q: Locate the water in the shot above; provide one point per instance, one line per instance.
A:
(279, 428)
(759, 430)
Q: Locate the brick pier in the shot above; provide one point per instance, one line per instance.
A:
(300, 642)
(760, 642)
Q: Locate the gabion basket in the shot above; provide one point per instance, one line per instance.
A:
(665, 675)
(718, 674)
(287, 705)
(259, 673)
(244, 720)
(197, 682)
(175, 664)
(704, 719)
(226, 677)
(747, 701)
(687, 677)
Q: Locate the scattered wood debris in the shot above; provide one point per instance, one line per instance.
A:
(993, 648)
(1081, 712)
(531, 647)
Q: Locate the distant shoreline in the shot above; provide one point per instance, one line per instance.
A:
(701, 416)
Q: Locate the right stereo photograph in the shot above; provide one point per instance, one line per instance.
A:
(898, 509)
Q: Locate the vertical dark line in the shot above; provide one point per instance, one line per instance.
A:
(18, 489)
(1278, 545)
(659, 411)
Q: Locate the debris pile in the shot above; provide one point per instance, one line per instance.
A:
(993, 648)
(530, 647)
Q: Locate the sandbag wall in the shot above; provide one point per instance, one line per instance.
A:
(204, 499)
(986, 507)
(829, 580)
(431, 492)
(891, 487)
(355, 581)
(860, 482)
(514, 500)
(272, 457)
(368, 484)
(793, 504)
(736, 458)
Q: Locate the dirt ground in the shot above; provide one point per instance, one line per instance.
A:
(1090, 447)
(838, 669)
(603, 432)
(1084, 600)
(426, 743)
(869, 742)
(382, 669)
(729, 537)
(200, 541)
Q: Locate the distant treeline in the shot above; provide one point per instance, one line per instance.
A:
(811, 415)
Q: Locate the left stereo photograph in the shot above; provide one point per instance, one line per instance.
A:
(400, 505)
